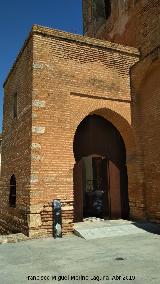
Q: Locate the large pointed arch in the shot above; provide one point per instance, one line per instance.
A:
(98, 141)
(122, 122)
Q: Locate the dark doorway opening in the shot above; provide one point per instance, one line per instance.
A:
(100, 173)
(96, 203)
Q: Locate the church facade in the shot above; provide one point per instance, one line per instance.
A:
(81, 121)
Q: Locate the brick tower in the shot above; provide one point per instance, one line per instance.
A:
(128, 22)
(58, 85)
(136, 23)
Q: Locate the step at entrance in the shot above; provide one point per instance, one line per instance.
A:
(103, 229)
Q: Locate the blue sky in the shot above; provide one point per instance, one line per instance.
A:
(16, 19)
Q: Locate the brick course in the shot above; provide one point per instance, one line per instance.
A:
(60, 78)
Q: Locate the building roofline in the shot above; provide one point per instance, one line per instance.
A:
(49, 32)
(84, 39)
(17, 58)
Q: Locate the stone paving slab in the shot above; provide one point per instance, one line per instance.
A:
(107, 232)
(111, 228)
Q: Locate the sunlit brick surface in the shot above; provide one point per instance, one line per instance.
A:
(60, 78)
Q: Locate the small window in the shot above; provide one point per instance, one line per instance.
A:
(12, 195)
(107, 8)
(15, 105)
(101, 9)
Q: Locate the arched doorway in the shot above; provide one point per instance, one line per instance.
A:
(100, 173)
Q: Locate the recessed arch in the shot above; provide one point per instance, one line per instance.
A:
(120, 123)
(100, 173)
(95, 126)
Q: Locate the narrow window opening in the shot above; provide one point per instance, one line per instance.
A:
(12, 195)
(107, 8)
(15, 105)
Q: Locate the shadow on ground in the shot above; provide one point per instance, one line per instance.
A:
(153, 228)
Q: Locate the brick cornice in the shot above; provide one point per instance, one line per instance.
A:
(48, 32)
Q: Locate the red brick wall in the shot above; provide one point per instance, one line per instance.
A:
(73, 77)
(145, 77)
(132, 23)
(137, 23)
(66, 77)
(16, 144)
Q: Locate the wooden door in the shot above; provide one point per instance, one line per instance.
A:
(106, 212)
(124, 193)
(78, 191)
(114, 190)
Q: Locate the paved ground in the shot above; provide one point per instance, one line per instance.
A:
(111, 228)
(130, 255)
